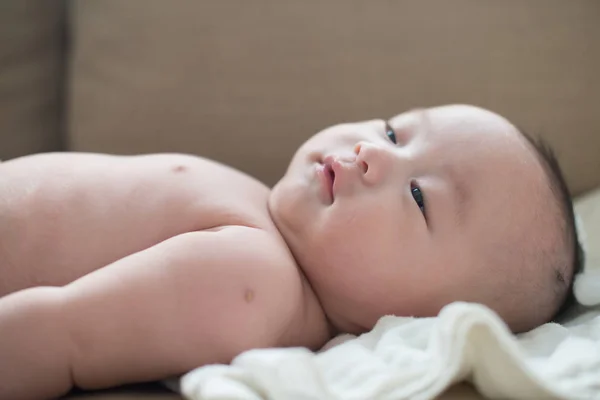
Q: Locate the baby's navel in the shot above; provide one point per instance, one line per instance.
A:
(249, 295)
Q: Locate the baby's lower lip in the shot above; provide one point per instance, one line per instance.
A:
(326, 182)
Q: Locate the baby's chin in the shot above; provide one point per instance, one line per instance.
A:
(284, 214)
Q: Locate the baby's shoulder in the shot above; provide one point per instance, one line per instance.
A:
(277, 278)
(257, 248)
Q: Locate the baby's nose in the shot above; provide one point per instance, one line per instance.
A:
(373, 160)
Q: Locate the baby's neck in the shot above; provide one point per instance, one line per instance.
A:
(315, 314)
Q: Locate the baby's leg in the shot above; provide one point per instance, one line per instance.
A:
(157, 313)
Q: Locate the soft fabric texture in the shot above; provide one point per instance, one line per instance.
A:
(408, 358)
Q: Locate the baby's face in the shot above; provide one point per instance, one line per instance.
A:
(405, 216)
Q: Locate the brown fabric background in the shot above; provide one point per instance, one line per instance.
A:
(31, 72)
(246, 82)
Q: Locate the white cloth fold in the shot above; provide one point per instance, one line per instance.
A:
(408, 358)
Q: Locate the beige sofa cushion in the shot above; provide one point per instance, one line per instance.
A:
(31, 72)
(246, 82)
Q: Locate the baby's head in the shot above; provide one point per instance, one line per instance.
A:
(433, 206)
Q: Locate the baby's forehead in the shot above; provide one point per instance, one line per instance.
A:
(468, 133)
(457, 119)
(500, 168)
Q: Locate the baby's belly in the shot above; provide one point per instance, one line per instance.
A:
(65, 215)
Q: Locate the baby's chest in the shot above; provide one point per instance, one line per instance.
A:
(90, 210)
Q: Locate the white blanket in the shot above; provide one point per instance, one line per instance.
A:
(405, 358)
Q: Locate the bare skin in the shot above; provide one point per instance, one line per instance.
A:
(128, 269)
(180, 265)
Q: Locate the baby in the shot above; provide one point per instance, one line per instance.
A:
(126, 269)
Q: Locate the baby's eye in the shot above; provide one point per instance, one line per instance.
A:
(418, 196)
(389, 131)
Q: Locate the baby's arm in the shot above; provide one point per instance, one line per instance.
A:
(34, 362)
(197, 298)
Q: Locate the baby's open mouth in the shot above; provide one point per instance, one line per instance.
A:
(331, 173)
(326, 176)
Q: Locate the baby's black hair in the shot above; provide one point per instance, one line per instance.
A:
(565, 275)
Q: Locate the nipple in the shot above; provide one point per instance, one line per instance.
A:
(178, 168)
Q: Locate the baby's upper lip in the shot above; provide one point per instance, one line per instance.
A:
(335, 163)
(334, 167)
